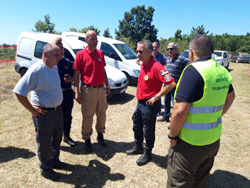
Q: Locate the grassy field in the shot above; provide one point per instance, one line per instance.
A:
(111, 167)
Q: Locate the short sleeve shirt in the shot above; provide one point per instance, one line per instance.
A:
(152, 76)
(161, 58)
(91, 66)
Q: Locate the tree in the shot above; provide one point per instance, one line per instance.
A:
(200, 30)
(177, 35)
(85, 29)
(45, 26)
(107, 33)
(137, 25)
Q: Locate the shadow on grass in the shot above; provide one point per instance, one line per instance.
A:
(11, 153)
(80, 176)
(225, 179)
(122, 100)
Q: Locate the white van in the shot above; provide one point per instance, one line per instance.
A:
(30, 48)
(117, 54)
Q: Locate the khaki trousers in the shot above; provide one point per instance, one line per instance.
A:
(189, 165)
(93, 102)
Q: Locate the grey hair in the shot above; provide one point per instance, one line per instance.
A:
(47, 48)
(147, 43)
(173, 44)
(202, 45)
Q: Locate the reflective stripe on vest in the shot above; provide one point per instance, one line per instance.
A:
(202, 126)
(206, 109)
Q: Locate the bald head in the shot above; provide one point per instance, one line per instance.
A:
(91, 40)
(202, 45)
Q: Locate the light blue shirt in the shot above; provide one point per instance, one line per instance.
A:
(44, 84)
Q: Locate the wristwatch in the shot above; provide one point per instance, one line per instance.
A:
(172, 138)
(156, 98)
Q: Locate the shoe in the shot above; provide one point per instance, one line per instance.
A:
(88, 146)
(70, 142)
(137, 149)
(158, 114)
(59, 165)
(163, 119)
(145, 158)
(100, 140)
(52, 175)
(169, 127)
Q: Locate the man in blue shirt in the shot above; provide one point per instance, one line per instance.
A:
(43, 81)
(175, 65)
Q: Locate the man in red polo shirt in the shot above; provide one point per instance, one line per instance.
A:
(89, 63)
(148, 93)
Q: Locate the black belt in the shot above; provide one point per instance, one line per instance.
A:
(143, 100)
(65, 89)
(51, 108)
(92, 86)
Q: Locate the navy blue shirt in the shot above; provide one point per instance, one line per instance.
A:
(65, 67)
(176, 66)
(160, 58)
(192, 84)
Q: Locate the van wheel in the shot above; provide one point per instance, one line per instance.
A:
(128, 78)
(23, 71)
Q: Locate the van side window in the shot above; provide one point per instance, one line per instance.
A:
(109, 51)
(225, 55)
(68, 55)
(82, 39)
(39, 49)
(25, 46)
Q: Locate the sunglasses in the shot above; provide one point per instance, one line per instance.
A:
(170, 49)
(139, 51)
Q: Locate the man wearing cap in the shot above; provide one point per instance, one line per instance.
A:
(203, 95)
(149, 90)
(175, 65)
(43, 81)
(66, 74)
(90, 63)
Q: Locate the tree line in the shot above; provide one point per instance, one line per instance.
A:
(137, 25)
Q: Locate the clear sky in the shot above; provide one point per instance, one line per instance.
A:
(217, 16)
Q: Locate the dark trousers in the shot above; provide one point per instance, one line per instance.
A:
(189, 165)
(144, 119)
(167, 102)
(49, 128)
(67, 105)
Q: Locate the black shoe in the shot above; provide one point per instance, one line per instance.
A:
(52, 175)
(59, 165)
(70, 142)
(169, 127)
(137, 149)
(88, 146)
(145, 158)
(158, 114)
(100, 140)
(163, 119)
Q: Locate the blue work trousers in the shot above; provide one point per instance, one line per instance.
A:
(167, 103)
(144, 119)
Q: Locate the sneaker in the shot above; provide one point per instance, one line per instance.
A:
(70, 142)
(52, 175)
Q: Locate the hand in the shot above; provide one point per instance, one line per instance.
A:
(38, 111)
(78, 97)
(173, 142)
(151, 101)
(138, 61)
(67, 79)
(107, 90)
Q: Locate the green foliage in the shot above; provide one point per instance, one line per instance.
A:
(7, 53)
(137, 25)
(85, 29)
(107, 33)
(45, 26)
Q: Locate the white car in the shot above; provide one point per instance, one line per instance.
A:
(30, 48)
(222, 57)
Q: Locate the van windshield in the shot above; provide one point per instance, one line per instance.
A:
(218, 54)
(126, 51)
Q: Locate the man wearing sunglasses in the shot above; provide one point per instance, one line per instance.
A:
(149, 90)
(175, 65)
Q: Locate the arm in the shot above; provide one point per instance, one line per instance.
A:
(138, 61)
(178, 117)
(78, 96)
(25, 102)
(167, 88)
(229, 101)
(106, 82)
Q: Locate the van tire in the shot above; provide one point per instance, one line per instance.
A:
(23, 71)
(128, 78)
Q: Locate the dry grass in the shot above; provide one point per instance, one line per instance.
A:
(111, 167)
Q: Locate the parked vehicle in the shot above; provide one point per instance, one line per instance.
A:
(117, 54)
(240, 57)
(222, 57)
(30, 48)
